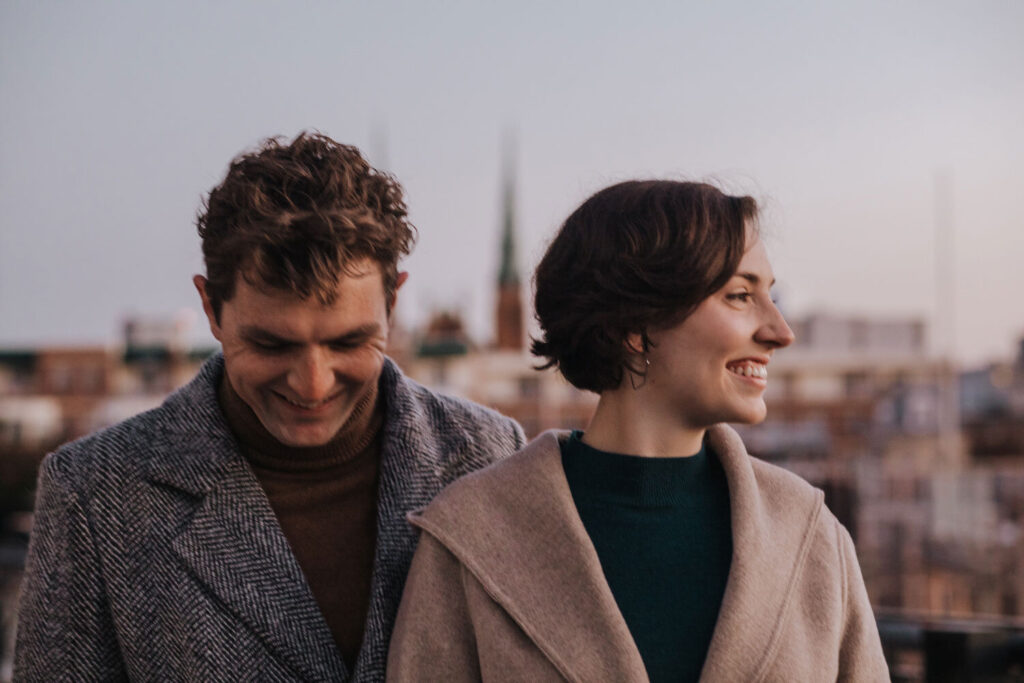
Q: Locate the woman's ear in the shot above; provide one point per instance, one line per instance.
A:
(636, 342)
(637, 363)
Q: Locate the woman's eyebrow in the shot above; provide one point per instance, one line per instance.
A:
(754, 279)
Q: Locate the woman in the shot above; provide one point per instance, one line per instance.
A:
(650, 546)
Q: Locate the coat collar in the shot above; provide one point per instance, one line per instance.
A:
(414, 463)
(233, 543)
(230, 539)
(773, 514)
(516, 528)
(203, 450)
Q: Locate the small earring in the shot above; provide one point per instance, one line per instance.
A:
(633, 374)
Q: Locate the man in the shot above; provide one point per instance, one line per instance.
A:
(253, 526)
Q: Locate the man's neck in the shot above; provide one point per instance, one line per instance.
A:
(261, 446)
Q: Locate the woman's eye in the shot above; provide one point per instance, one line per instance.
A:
(742, 297)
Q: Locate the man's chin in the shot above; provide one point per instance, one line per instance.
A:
(303, 437)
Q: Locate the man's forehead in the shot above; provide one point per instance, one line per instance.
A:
(357, 273)
(357, 307)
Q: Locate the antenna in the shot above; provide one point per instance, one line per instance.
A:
(945, 313)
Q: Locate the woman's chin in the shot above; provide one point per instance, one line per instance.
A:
(751, 415)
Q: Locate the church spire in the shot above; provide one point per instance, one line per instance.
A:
(509, 312)
(509, 272)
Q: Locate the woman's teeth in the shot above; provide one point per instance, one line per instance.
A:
(750, 370)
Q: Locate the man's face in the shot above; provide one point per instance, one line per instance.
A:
(301, 365)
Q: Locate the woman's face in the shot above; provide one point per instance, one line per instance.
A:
(713, 366)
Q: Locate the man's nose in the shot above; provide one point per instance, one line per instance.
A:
(312, 376)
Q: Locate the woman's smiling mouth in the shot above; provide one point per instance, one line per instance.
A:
(749, 368)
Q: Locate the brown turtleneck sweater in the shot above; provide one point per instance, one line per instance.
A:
(325, 499)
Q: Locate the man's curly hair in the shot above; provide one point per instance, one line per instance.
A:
(295, 216)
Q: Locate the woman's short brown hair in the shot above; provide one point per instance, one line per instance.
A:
(295, 216)
(636, 256)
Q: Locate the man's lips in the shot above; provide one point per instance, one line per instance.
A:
(307, 406)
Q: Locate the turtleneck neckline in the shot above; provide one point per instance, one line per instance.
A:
(266, 452)
(635, 480)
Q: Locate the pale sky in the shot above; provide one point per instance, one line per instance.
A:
(117, 117)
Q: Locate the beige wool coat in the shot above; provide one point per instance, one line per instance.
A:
(506, 584)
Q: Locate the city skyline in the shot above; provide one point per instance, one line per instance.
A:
(842, 121)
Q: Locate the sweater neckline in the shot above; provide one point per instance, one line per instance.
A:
(635, 480)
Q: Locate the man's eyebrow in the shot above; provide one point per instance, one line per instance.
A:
(754, 279)
(355, 334)
(256, 332)
(361, 332)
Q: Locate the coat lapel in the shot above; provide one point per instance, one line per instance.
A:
(230, 539)
(411, 473)
(517, 530)
(770, 545)
(555, 590)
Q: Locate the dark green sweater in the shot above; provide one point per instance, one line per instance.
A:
(662, 532)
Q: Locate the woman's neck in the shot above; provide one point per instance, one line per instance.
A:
(623, 423)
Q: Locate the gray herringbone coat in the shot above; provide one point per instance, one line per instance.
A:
(155, 554)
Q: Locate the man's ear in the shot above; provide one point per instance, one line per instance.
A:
(200, 282)
(399, 281)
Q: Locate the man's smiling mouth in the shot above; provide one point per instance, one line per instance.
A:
(308, 405)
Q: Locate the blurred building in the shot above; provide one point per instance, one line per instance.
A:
(51, 395)
(992, 400)
(860, 409)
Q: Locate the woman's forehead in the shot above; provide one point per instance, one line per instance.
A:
(755, 265)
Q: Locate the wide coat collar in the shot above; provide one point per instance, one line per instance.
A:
(516, 528)
(232, 543)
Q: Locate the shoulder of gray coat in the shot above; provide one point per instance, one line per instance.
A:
(122, 450)
(107, 453)
(455, 420)
(494, 490)
(455, 407)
